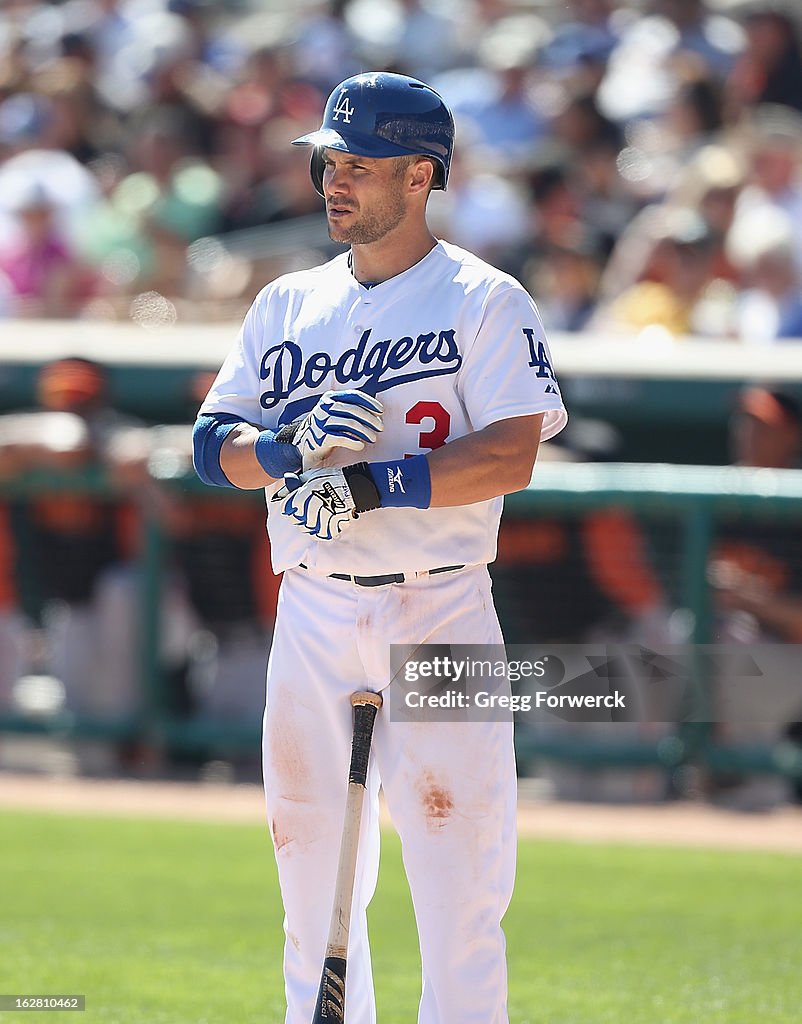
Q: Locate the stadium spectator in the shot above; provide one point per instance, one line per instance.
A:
(324, 46)
(554, 217)
(711, 183)
(482, 210)
(677, 250)
(772, 139)
(581, 46)
(581, 126)
(138, 236)
(78, 125)
(30, 167)
(654, 50)
(695, 116)
(409, 35)
(556, 203)
(593, 146)
(697, 30)
(45, 277)
(25, 119)
(769, 70)
(566, 281)
(138, 49)
(769, 306)
(496, 98)
(428, 40)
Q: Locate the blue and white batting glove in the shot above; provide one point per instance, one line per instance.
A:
(341, 419)
(319, 502)
(324, 501)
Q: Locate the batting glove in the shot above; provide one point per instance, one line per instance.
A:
(323, 502)
(341, 419)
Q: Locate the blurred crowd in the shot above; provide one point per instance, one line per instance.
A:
(636, 164)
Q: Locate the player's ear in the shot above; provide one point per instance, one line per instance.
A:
(422, 172)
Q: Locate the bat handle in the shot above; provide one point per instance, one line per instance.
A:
(330, 1006)
(365, 705)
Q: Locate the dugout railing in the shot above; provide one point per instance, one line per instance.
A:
(691, 498)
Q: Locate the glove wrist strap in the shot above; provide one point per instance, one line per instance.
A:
(286, 434)
(362, 487)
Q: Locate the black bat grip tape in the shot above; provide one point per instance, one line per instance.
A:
(331, 996)
(364, 717)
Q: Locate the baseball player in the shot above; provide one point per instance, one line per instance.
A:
(386, 401)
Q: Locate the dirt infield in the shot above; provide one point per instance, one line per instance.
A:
(674, 824)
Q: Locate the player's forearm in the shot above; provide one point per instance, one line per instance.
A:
(494, 461)
(238, 459)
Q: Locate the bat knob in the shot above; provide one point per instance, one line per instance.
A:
(363, 698)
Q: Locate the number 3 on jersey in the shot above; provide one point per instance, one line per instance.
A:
(438, 435)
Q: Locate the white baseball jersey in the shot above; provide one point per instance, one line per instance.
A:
(449, 346)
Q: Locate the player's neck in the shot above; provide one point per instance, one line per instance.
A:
(375, 262)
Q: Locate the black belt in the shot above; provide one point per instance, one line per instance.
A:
(393, 577)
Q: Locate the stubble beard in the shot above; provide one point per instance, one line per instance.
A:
(373, 226)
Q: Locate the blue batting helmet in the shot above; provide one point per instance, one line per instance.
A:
(378, 115)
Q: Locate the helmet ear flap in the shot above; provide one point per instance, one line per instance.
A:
(316, 167)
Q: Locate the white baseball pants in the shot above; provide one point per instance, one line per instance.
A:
(450, 788)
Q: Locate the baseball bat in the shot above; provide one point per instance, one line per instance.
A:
(330, 1006)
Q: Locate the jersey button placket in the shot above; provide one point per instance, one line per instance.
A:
(356, 316)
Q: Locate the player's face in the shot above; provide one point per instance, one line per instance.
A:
(364, 197)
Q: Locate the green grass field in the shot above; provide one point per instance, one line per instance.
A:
(181, 923)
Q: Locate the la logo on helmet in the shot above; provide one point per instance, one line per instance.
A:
(343, 107)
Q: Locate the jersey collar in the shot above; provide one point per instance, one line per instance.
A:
(376, 284)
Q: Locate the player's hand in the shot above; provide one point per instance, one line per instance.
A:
(341, 419)
(319, 502)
